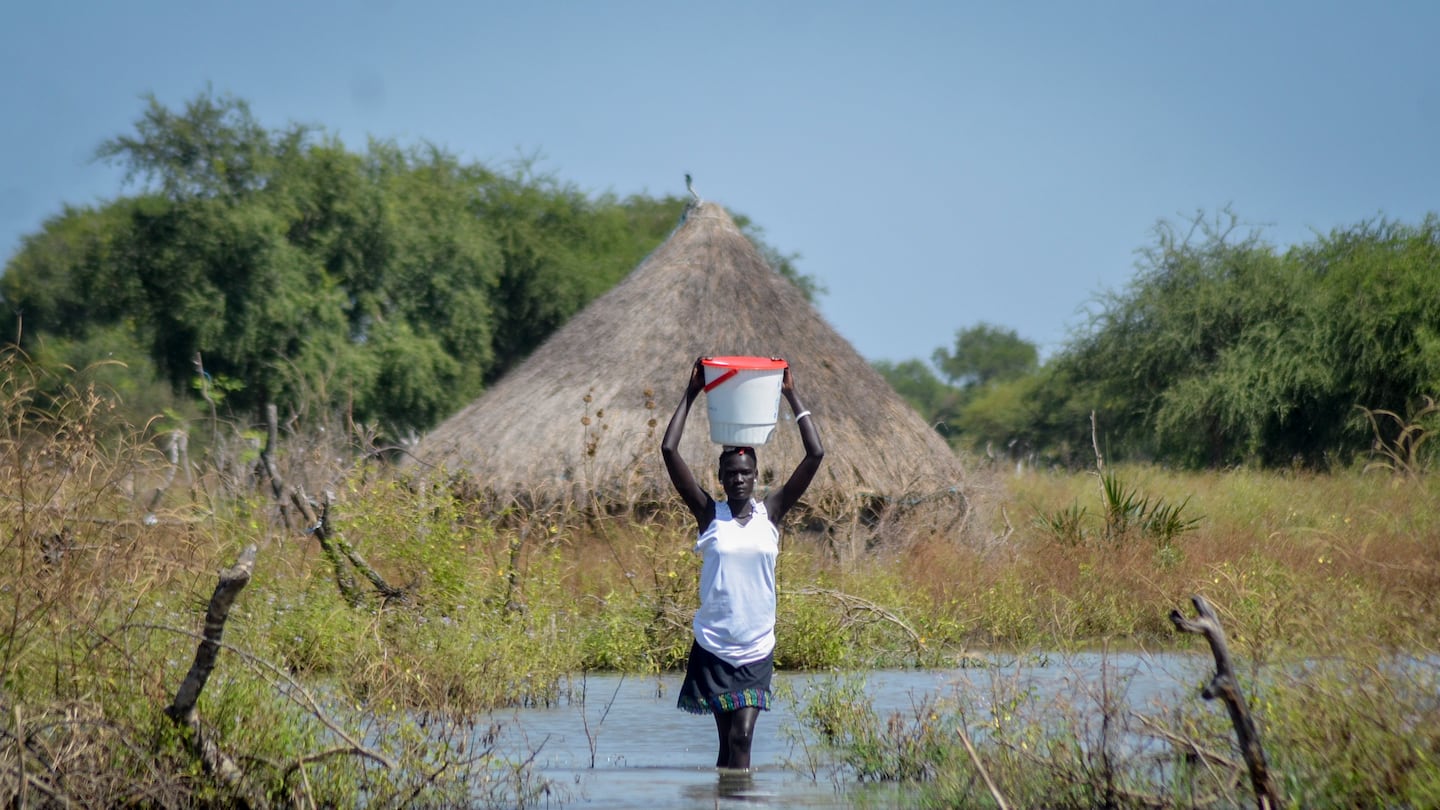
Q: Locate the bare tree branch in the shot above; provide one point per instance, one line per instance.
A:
(1227, 687)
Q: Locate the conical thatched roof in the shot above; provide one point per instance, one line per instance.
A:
(583, 416)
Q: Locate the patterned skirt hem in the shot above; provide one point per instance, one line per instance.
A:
(727, 702)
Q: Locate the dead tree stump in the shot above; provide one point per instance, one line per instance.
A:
(182, 710)
(1226, 687)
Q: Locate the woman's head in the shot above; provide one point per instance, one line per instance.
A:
(738, 471)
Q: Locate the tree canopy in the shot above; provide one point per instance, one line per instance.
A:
(279, 266)
(985, 353)
(1225, 351)
(1221, 350)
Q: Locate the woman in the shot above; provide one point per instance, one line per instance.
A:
(732, 657)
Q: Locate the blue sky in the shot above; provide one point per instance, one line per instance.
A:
(935, 165)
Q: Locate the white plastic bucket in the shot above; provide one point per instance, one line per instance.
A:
(742, 398)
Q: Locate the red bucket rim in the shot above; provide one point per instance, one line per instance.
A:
(746, 363)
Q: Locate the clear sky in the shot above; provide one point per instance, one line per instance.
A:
(935, 165)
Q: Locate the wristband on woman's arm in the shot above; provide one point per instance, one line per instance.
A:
(802, 415)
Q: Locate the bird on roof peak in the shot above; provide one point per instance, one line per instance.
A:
(691, 188)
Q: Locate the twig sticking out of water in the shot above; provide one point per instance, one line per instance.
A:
(980, 766)
(1226, 687)
(592, 735)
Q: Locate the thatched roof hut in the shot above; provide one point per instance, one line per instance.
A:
(583, 416)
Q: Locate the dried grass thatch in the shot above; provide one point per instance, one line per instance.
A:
(581, 419)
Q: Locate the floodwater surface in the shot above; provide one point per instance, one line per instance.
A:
(619, 742)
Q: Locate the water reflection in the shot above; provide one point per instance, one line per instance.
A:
(729, 788)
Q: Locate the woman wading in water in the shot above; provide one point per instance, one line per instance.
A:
(733, 654)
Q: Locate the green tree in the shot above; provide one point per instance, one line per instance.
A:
(276, 257)
(984, 353)
(918, 385)
(1223, 351)
(1000, 418)
(1377, 319)
(394, 283)
(214, 148)
(1172, 363)
(438, 267)
(50, 283)
(558, 250)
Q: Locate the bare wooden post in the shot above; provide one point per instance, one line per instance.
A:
(1095, 442)
(1226, 687)
(182, 710)
(266, 468)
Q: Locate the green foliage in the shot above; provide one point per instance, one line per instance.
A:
(1322, 702)
(559, 249)
(990, 401)
(210, 279)
(1125, 513)
(914, 748)
(1223, 351)
(1400, 442)
(416, 381)
(1098, 746)
(985, 353)
(1092, 747)
(1007, 613)
(914, 381)
(215, 148)
(112, 363)
(54, 282)
(616, 637)
(642, 623)
(810, 634)
(1000, 415)
(391, 285)
(1066, 525)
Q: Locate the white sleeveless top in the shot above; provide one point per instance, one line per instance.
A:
(736, 619)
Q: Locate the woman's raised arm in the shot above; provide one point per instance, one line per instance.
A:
(681, 477)
(780, 501)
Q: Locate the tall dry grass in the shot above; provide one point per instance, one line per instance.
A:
(1326, 586)
(103, 586)
(103, 592)
(1337, 556)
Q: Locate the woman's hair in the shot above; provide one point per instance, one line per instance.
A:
(733, 450)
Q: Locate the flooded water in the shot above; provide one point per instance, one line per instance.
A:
(621, 743)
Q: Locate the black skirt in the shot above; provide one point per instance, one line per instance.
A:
(714, 685)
